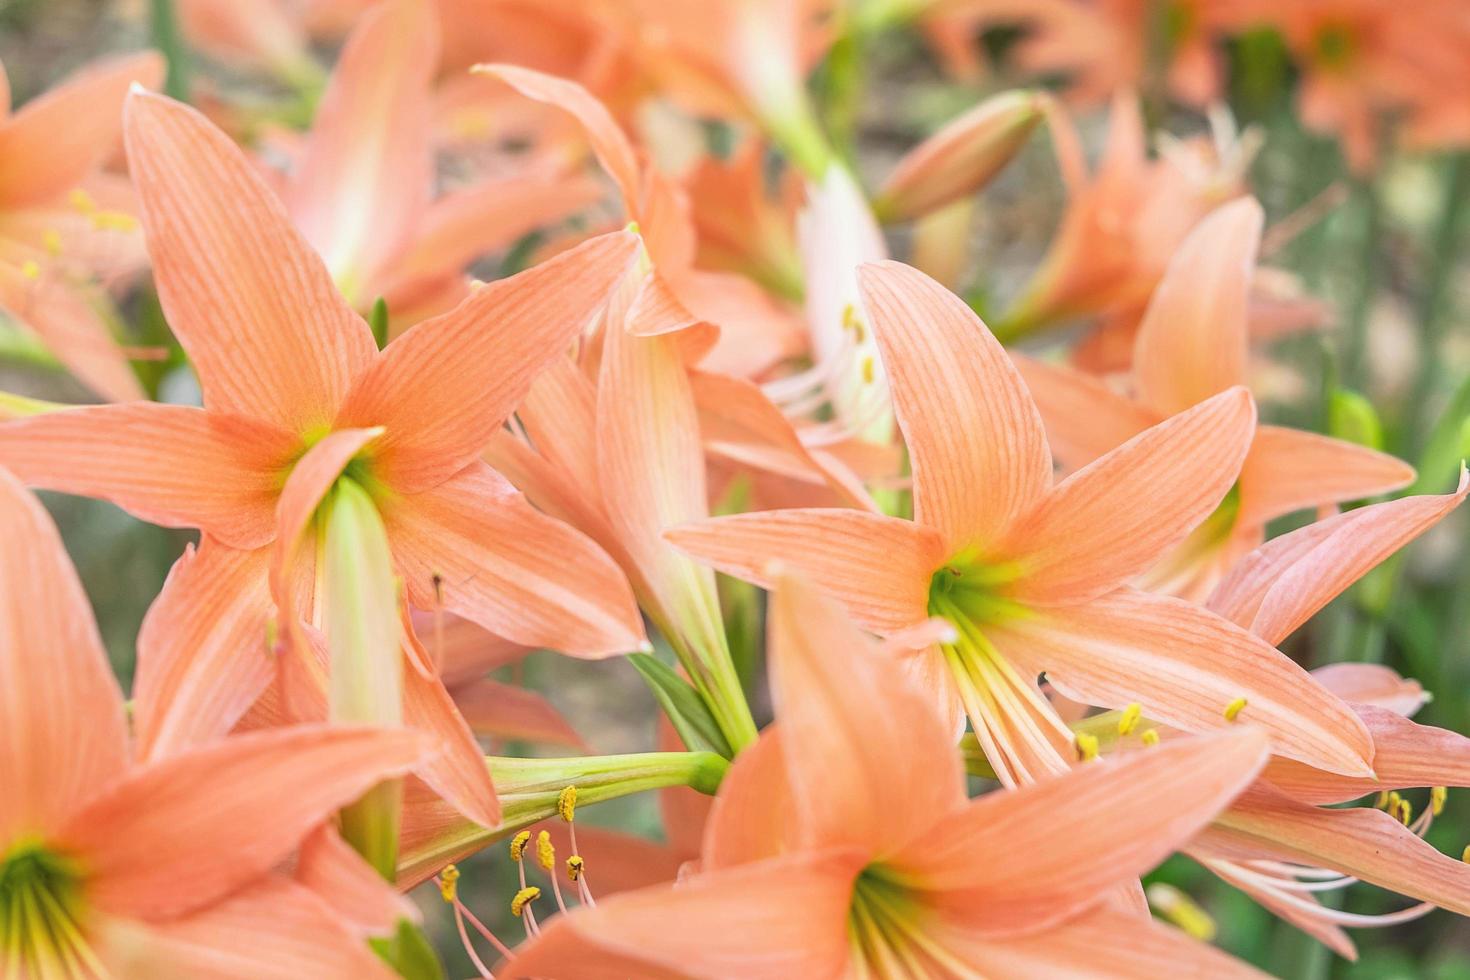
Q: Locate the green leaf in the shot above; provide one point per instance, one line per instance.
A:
(409, 953)
(686, 709)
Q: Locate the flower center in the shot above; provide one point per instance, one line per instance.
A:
(887, 933)
(41, 911)
(1192, 569)
(1017, 729)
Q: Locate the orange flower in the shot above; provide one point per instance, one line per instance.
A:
(1364, 61)
(362, 189)
(1030, 577)
(804, 873)
(295, 393)
(66, 228)
(110, 867)
(1192, 344)
(1100, 46)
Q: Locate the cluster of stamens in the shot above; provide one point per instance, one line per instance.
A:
(523, 901)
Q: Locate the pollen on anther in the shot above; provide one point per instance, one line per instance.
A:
(1437, 797)
(1086, 746)
(1234, 708)
(868, 370)
(574, 867)
(30, 269)
(1465, 854)
(566, 804)
(1404, 812)
(1150, 737)
(545, 851)
(448, 883)
(518, 845)
(1130, 717)
(523, 898)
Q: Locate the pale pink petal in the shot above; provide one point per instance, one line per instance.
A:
(1289, 470)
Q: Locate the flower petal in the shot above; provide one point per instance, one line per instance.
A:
(457, 771)
(179, 834)
(1184, 665)
(1363, 842)
(1373, 684)
(367, 170)
(1104, 944)
(1116, 517)
(62, 731)
(443, 388)
(506, 712)
(708, 925)
(168, 464)
(975, 439)
(203, 650)
(854, 730)
(55, 141)
(272, 929)
(877, 567)
(1406, 755)
(1085, 419)
(1031, 857)
(750, 819)
(68, 322)
(1193, 341)
(1282, 584)
(612, 148)
(1289, 470)
(268, 333)
(349, 885)
(510, 568)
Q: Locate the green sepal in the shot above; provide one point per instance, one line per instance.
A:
(687, 711)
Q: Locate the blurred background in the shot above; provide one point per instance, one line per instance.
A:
(1370, 225)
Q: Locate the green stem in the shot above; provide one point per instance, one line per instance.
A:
(168, 39)
(529, 790)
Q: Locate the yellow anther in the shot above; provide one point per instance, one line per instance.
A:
(51, 240)
(574, 867)
(849, 316)
(1382, 802)
(1437, 797)
(1405, 812)
(523, 898)
(869, 371)
(1130, 717)
(30, 269)
(1234, 708)
(1465, 854)
(545, 851)
(1150, 737)
(82, 201)
(1392, 804)
(1183, 911)
(566, 804)
(518, 845)
(449, 883)
(1086, 746)
(114, 221)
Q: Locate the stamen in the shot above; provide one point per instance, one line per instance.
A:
(30, 269)
(1150, 737)
(81, 201)
(1465, 854)
(546, 857)
(1181, 910)
(51, 241)
(1437, 797)
(1086, 747)
(447, 880)
(520, 906)
(448, 883)
(566, 804)
(869, 372)
(518, 845)
(1129, 719)
(1381, 802)
(1234, 708)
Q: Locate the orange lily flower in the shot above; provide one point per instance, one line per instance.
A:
(110, 867)
(1193, 342)
(1274, 842)
(1101, 46)
(1364, 62)
(361, 190)
(66, 228)
(1121, 228)
(287, 409)
(1273, 591)
(1013, 883)
(1029, 578)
